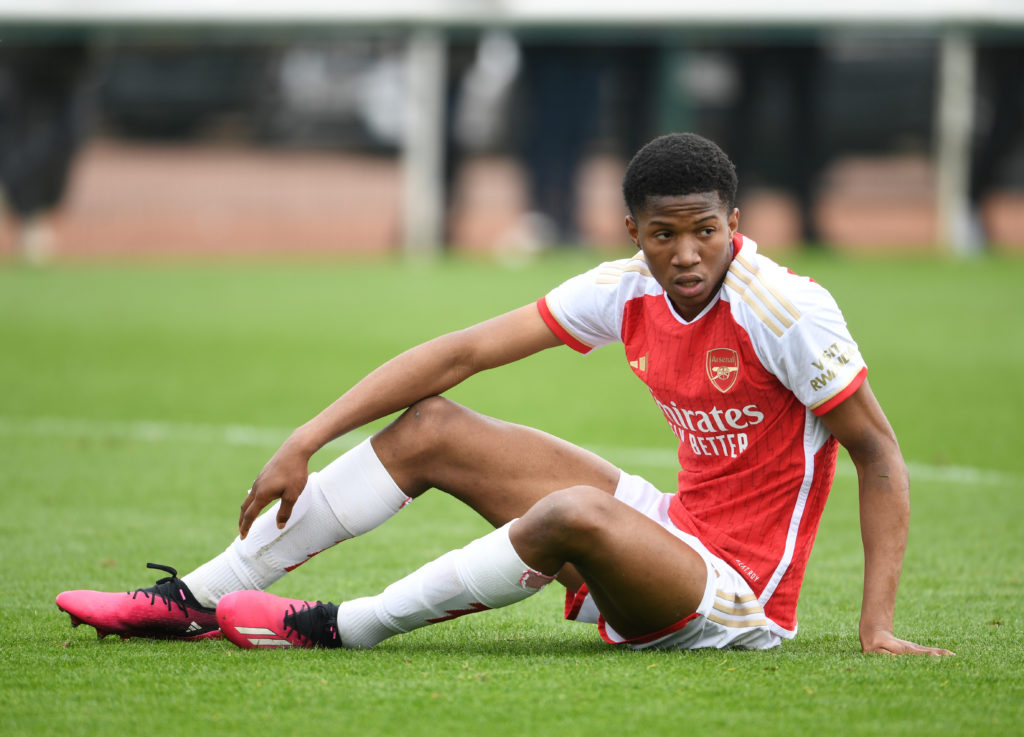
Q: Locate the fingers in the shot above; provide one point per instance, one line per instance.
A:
(260, 495)
(250, 511)
(284, 477)
(916, 649)
(285, 510)
(245, 505)
(905, 647)
(256, 501)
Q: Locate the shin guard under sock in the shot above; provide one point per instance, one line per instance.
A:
(486, 574)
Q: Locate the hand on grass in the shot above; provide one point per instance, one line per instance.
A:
(886, 642)
(284, 477)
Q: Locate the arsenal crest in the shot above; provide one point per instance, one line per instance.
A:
(723, 367)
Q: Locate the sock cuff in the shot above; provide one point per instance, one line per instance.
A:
(485, 574)
(359, 489)
(492, 569)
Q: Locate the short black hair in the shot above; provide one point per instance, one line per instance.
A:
(678, 164)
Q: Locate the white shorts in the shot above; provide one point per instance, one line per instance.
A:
(729, 615)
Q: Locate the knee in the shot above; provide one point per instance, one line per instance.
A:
(574, 514)
(426, 419)
(421, 432)
(431, 409)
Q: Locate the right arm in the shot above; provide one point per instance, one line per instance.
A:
(424, 371)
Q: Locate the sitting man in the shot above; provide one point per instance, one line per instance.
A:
(756, 374)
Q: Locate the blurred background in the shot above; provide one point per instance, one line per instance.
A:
(498, 126)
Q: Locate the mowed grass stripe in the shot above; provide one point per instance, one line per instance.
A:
(156, 431)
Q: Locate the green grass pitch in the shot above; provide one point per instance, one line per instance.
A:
(138, 402)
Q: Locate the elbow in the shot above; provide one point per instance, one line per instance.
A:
(893, 467)
(881, 460)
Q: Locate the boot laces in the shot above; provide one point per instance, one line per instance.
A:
(314, 624)
(169, 589)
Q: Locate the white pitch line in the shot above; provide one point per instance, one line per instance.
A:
(666, 458)
(155, 431)
(269, 437)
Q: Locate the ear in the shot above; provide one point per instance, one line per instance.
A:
(734, 221)
(634, 232)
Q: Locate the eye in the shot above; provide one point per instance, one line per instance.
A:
(707, 230)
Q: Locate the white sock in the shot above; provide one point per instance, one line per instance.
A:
(352, 495)
(486, 574)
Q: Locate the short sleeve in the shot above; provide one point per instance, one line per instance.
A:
(798, 331)
(817, 358)
(585, 312)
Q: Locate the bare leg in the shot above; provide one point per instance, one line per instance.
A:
(642, 577)
(498, 468)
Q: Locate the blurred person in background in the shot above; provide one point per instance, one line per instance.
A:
(43, 119)
(561, 88)
(779, 83)
(1000, 124)
(567, 93)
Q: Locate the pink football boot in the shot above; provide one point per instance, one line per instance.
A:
(256, 619)
(164, 611)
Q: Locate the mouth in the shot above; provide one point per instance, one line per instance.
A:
(688, 285)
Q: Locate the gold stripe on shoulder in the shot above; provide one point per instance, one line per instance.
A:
(622, 267)
(781, 298)
(734, 283)
(640, 268)
(757, 287)
(612, 271)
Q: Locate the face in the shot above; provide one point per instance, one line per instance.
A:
(687, 240)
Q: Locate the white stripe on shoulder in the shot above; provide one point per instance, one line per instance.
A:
(765, 300)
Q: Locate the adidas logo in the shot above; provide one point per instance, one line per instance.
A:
(194, 627)
(640, 364)
(263, 637)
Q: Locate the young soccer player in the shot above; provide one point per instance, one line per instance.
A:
(756, 374)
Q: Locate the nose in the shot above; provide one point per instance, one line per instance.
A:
(686, 253)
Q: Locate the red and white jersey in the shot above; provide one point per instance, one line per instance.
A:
(742, 386)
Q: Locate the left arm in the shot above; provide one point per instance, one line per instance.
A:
(860, 425)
